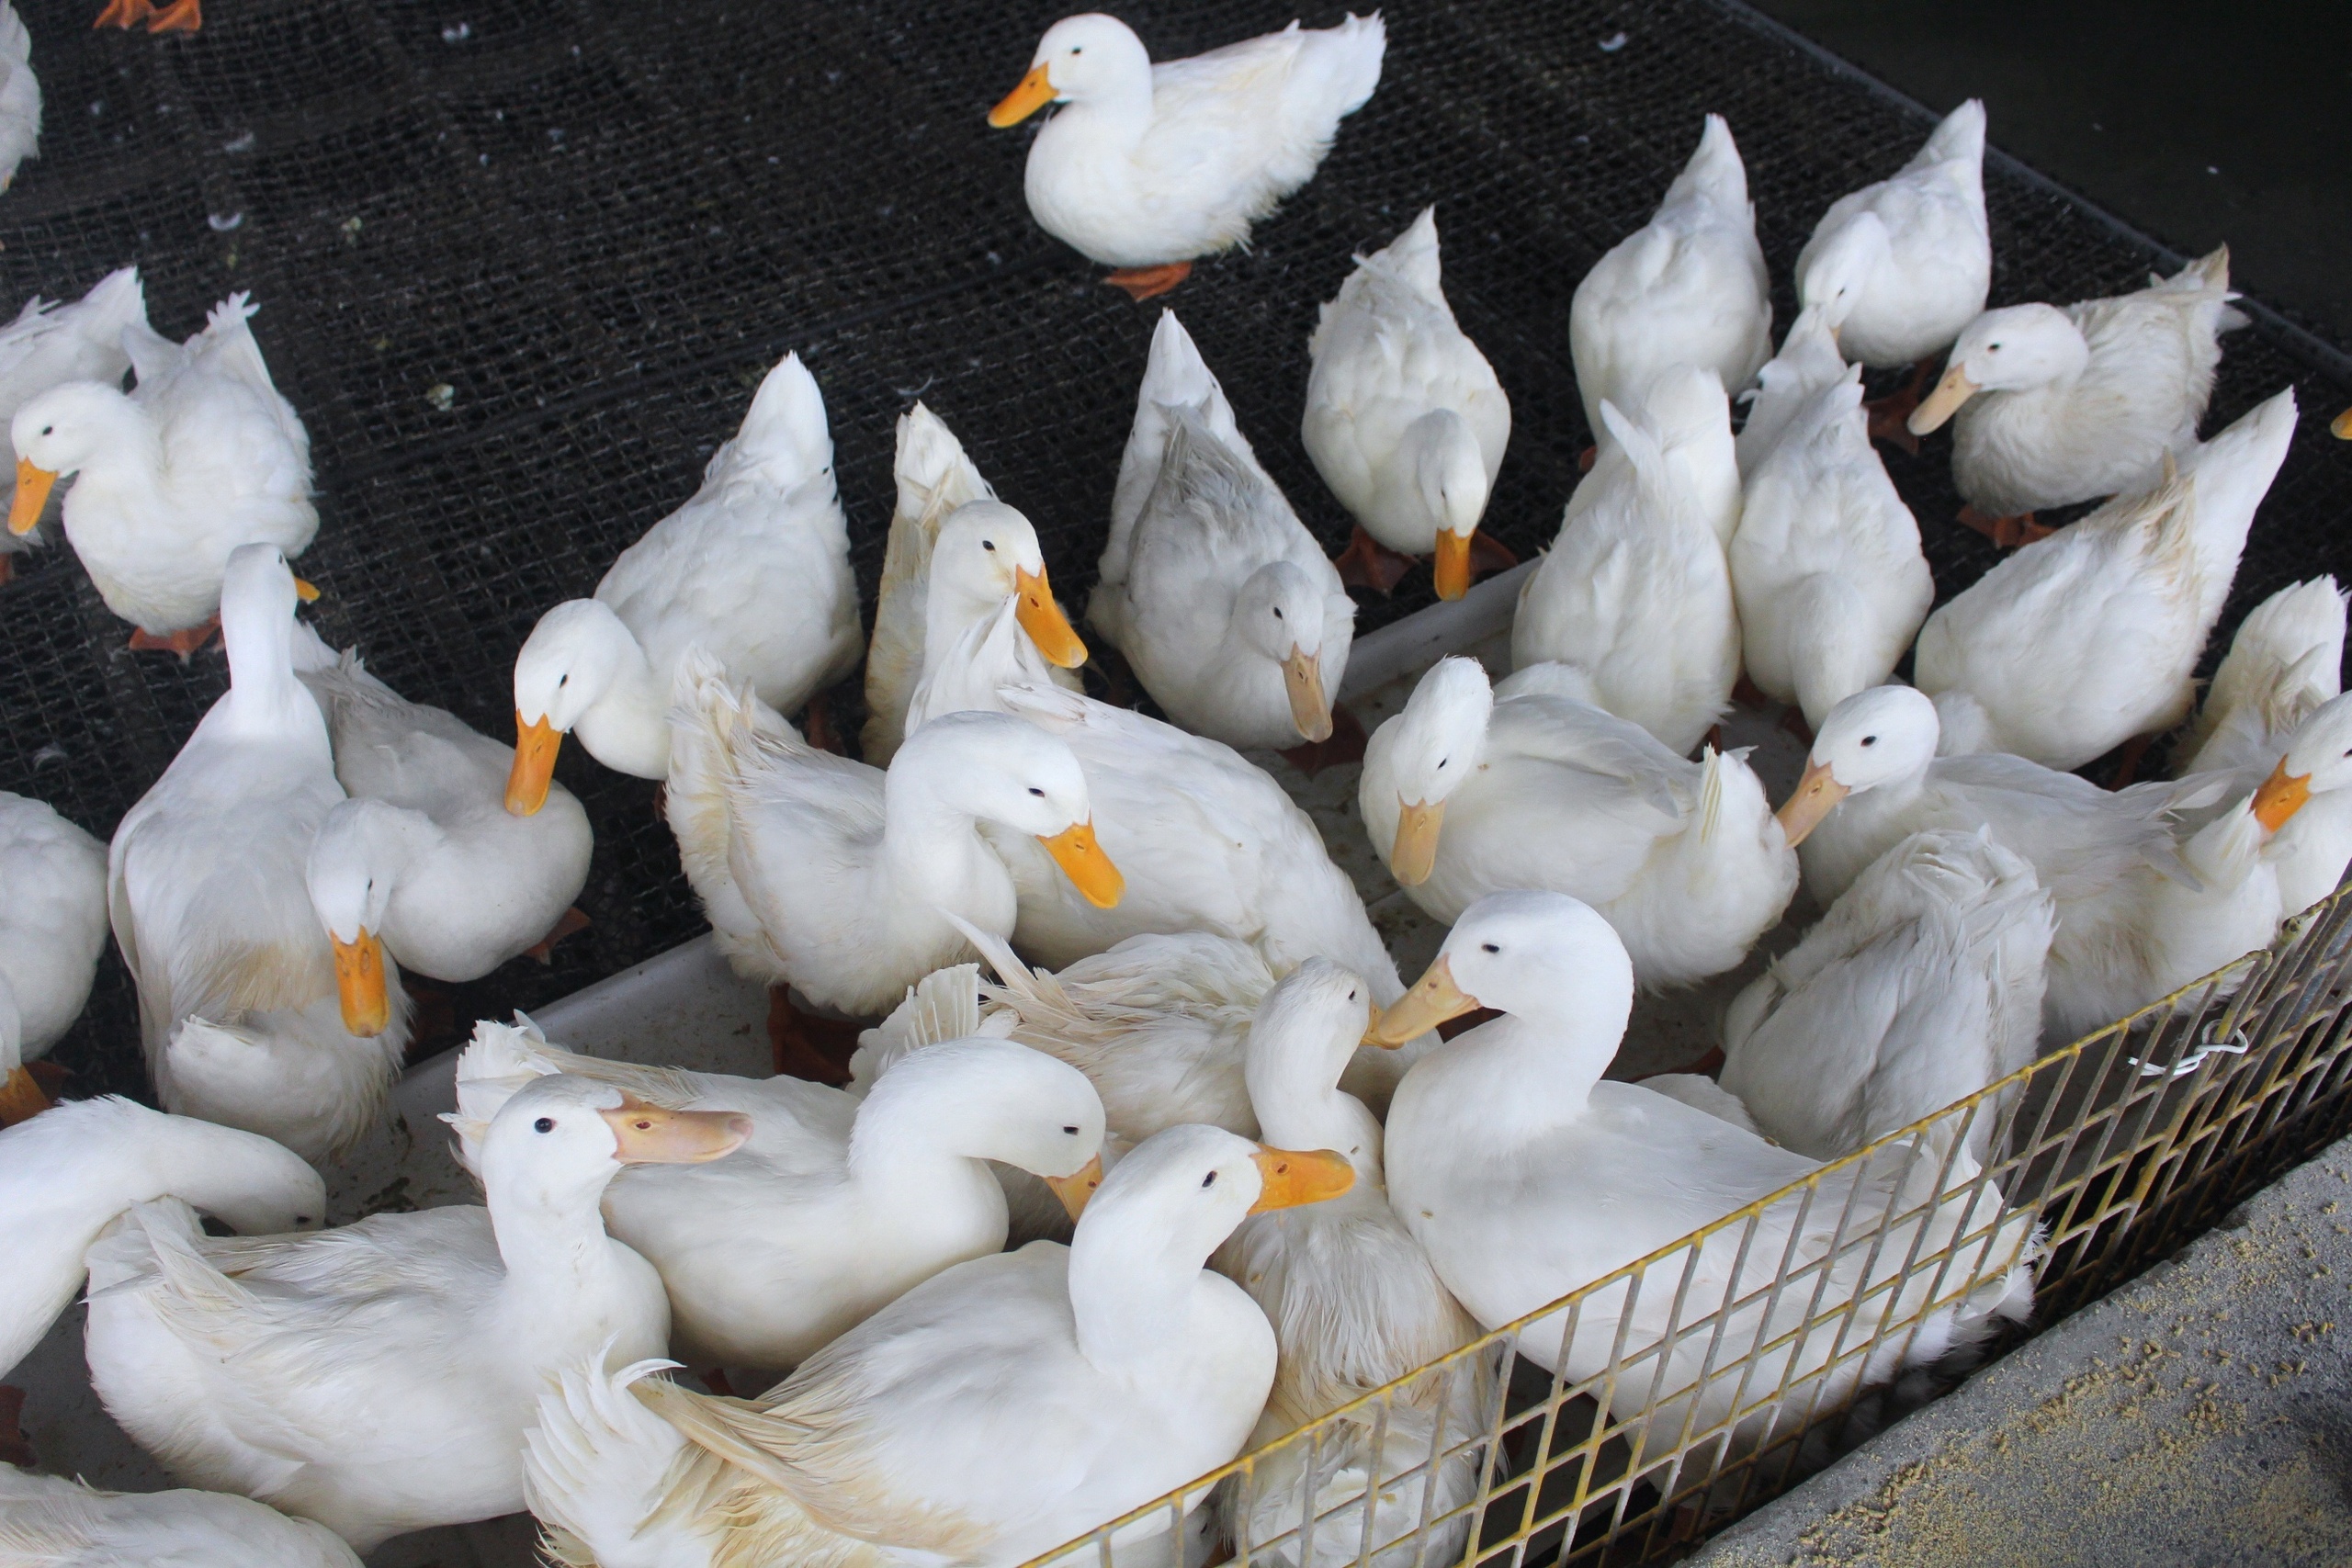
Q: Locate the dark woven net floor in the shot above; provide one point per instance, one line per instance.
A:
(521, 262)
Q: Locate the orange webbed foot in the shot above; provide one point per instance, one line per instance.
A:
(124, 14)
(2010, 532)
(22, 1098)
(571, 920)
(1890, 415)
(806, 1045)
(180, 16)
(184, 642)
(1368, 563)
(1345, 744)
(1142, 283)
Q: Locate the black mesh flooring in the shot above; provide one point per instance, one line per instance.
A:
(521, 262)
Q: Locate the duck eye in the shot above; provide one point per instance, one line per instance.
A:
(988, 545)
(563, 680)
(1209, 1181)
(1488, 947)
(1038, 793)
(543, 1124)
(1443, 760)
(1071, 1130)
(49, 430)
(1992, 348)
(1078, 49)
(1278, 612)
(1870, 739)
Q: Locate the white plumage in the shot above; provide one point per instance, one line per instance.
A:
(2080, 641)
(19, 96)
(1826, 568)
(67, 1524)
(1146, 163)
(52, 921)
(1221, 599)
(753, 570)
(51, 344)
(203, 456)
(1687, 289)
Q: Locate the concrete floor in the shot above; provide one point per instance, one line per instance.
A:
(2202, 1414)
(2198, 123)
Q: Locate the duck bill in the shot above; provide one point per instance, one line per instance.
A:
(2341, 426)
(32, 494)
(536, 744)
(1452, 567)
(1077, 1187)
(1043, 621)
(22, 1098)
(1954, 389)
(359, 984)
(1433, 1000)
(2281, 795)
(306, 590)
(647, 1134)
(1288, 1177)
(1310, 708)
(1414, 854)
(1082, 861)
(1817, 795)
(1036, 90)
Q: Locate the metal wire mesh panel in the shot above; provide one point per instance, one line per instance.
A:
(520, 263)
(1620, 1423)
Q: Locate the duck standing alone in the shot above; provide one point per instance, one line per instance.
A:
(1149, 166)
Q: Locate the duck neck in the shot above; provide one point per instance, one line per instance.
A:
(628, 728)
(904, 1150)
(951, 610)
(1544, 1064)
(194, 1162)
(265, 698)
(1118, 111)
(1131, 1295)
(126, 452)
(550, 1232)
(932, 852)
(1300, 1107)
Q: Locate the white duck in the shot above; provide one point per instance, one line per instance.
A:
(1922, 985)
(2089, 638)
(52, 921)
(2285, 659)
(2057, 406)
(1221, 599)
(1636, 593)
(1526, 1176)
(19, 96)
(1807, 363)
(936, 478)
(239, 1364)
(1826, 568)
(1206, 841)
(987, 604)
(50, 343)
(753, 569)
(1907, 261)
(1473, 788)
(252, 1014)
(424, 856)
(1353, 1301)
(1688, 289)
(1404, 419)
(2140, 912)
(204, 455)
(837, 879)
(1150, 166)
(995, 1411)
(2308, 791)
(65, 1174)
(835, 1206)
(68, 1524)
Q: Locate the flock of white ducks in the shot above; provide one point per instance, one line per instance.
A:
(1124, 1005)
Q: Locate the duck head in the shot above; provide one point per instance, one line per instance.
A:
(2001, 351)
(1278, 615)
(2319, 761)
(1536, 955)
(1839, 271)
(577, 655)
(988, 1098)
(1871, 739)
(562, 1135)
(1432, 748)
(996, 768)
(1090, 59)
(1302, 1039)
(355, 863)
(1450, 477)
(985, 553)
(58, 431)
